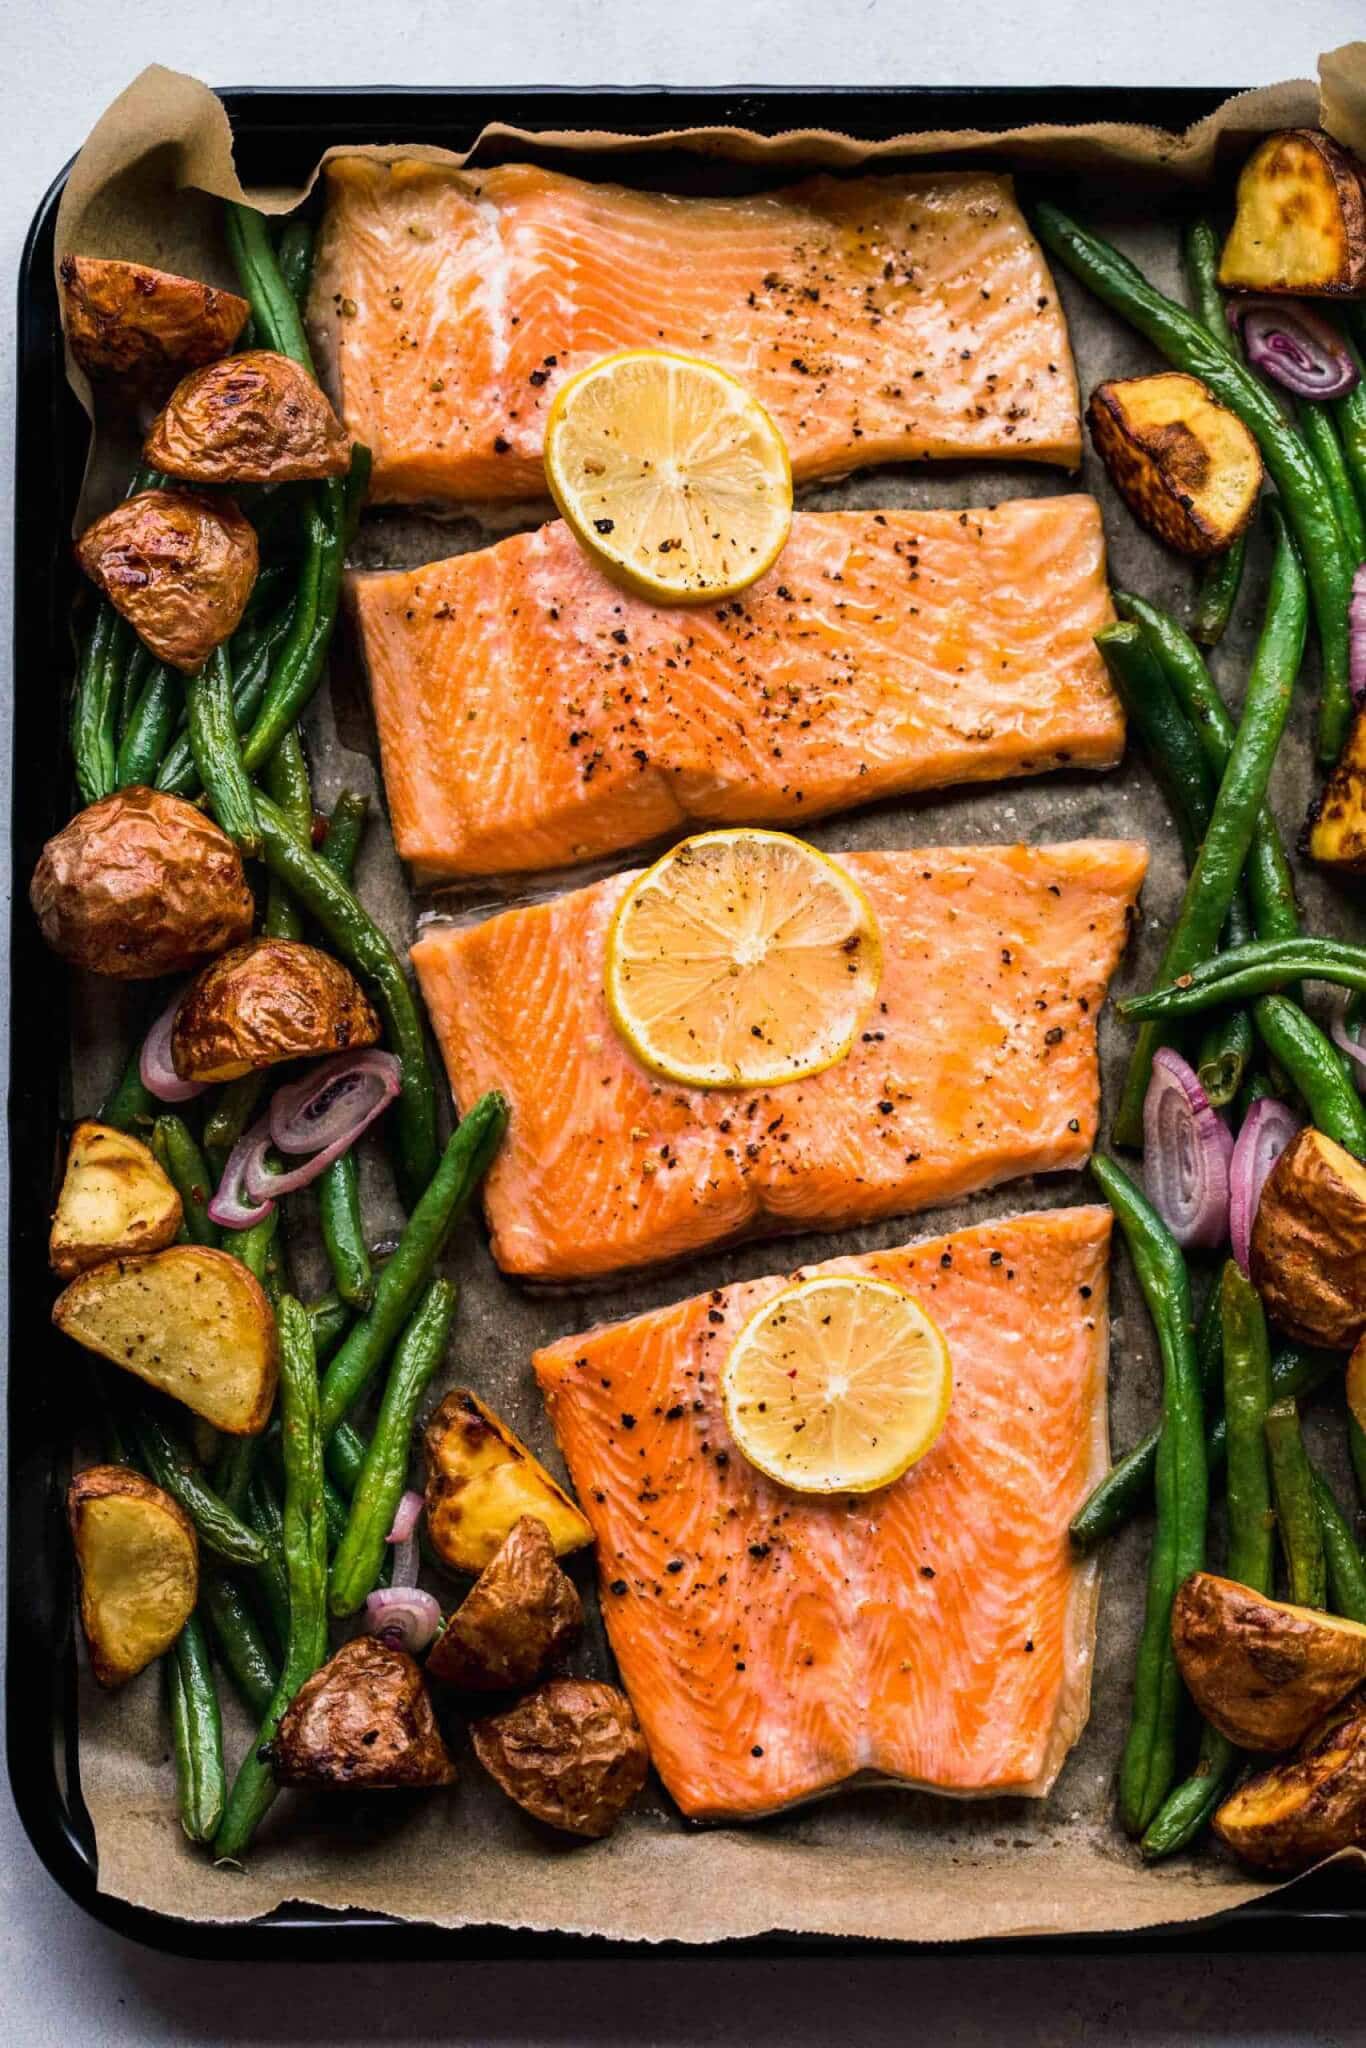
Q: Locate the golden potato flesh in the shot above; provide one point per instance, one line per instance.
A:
(266, 1001)
(180, 568)
(1263, 1671)
(115, 1200)
(252, 418)
(1300, 224)
(1307, 1807)
(364, 1721)
(1308, 1255)
(522, 1611)
(1187, 468)
(571, 1754)
(1337, 822)
(138, 1558)
(481, 1480)
(140, 885)
(147, 326)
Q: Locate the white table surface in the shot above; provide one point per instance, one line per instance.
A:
(63, 1978)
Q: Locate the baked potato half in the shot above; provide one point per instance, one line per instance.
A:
(1336, 835)
(145, 326)
(253, 418)
(1308, 1254)
(137, 1556)
(364, 1721)
(266, 1001)
(114, 1201)
(190, 1321)
(521, 1612)
(481, 1481)
(1263, 1671)
(1307, 1807)
(140, 885)
(571, 1754)
(1187, 468)
(178, 565)
(1300, 223)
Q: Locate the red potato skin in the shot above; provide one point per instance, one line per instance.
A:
(570, 1754)
(179, 566)
(252, 418)
(364, 1723)
(266, 1001)
(129, 323)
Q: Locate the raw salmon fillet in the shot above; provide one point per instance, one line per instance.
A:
(978, 1064)
(878, 319)
(531, 714)
(938, 1632)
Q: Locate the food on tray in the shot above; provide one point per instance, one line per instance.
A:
(256, 418)
(481, 1481)
(1307, 1807)
(179, 566)
(190, 1320)
(365, 1721)
(531, 713)
(114, 1200)
(268, 1000)
(1263, 1671)
(1186, 466)
(1308, 1258)
(837, 1385)
(976, 1064)
(1301, 219)
(124, 320)
(139, 885)
(937, 1632)
(1337, 821)
(138, 1560)
(876, 319)
(520, 1613)
(571, 1754)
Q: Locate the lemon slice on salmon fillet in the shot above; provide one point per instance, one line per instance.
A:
(740, 960)
(671, 474)
(837, 1385)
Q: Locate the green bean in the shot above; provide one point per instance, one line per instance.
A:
(363, 946)
(335, 1509)
(135, 672)
(287, 784)
(463, 1164)
(1222, 577)
(273, 305)
(151, 721)
(299, 668)
(1350, 415)
(129, 1106)
(1254, 969)
(345, 1454)
(1356, 1447)
(1226, 1052)
(1323, 444)
(330, 1319)
(345, 829)
(1297, 1515)
(1188, 346)
(253, 1245)
(242, 1649)
(169, 1463)
(343, 1233)
(418, 1353)
(1316, 1069)
(296, 259)
(94, 710)
(1346, 1572)
(263, 1514)
(196, 1732)
(305, 1548)
(234, 1107)
(178, 774)
(218, 756)
(184, 1165)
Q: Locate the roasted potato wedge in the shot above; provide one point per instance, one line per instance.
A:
(1337, 822)
(1356, 1383)
(1262, 1671)
(115, 1201)
(266, 1001)
(1187, 468)
(1307, 1807)
(1308, 1256)
(252, 418)
(481, 1481)
(571, 1754)
(140, 885)
(1300, 224)
(138, 1558)
(179, 566)
(188, 1320)
(364, 1721)
(126, 320)
(520, 1613)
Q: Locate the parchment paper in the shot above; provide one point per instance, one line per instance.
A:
(878, 1863)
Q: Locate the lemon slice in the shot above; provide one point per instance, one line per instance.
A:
(741, 959)
(837, 1385)
(672, 476)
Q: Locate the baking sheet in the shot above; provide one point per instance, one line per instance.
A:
(879, 1863)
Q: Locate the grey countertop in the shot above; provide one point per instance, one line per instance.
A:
(60, 1975)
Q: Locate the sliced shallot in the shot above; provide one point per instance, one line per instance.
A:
(403, 1536)
(330, 1105)
(235, 1206)
(158, 1076)
(1356, 637)
(1294, 345)
(1186, 1154)
(1267, 1129)
(1346, 1042)
(403, 1616)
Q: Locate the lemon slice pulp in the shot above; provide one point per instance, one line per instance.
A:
(671, 475)
(837, 1385)
(742, 959)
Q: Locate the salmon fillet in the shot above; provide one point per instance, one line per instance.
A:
(938, 1632)
(878, 319)
(532, 714)
(978, 1064)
